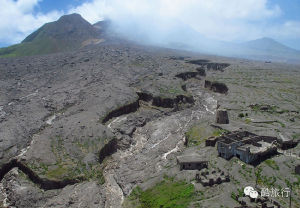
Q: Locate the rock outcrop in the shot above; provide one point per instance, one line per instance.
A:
(125, 109)
(205, 64)
(216, 87)
(165, 102)
(188, 75)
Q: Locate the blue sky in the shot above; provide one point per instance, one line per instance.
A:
(49, 5)
(290, 8)
(291, 11)
(225, 20)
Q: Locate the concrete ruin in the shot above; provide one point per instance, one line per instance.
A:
(211, 141)
(191, 162)
(287, 142)
(246, 146)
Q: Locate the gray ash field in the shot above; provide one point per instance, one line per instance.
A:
(103, 126)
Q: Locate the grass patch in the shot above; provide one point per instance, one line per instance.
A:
(57, 172)
(70, 171)
(296, 136)
(176, 90)
(166, 194)
(263, 179)
(196, 135)
(264, 108)
(248, 120)
(137, 64)
(41, 46)
(67, 167)
(199, 133)
(272, 164)
(239, 193)
(281, 124)
(219, 132)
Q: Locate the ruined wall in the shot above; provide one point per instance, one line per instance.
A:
(211, 141)
(245, 155)
(227, 150)
(193, 165)
(268, 139)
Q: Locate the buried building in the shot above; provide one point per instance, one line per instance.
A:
(191, 162)
(246, 146)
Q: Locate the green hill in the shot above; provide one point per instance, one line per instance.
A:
(67, 33)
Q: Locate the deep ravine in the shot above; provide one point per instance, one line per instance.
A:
(154, 143)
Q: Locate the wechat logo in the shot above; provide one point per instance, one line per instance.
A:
(249, 191)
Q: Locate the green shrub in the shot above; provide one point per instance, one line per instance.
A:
(166, 194)
(241, 115)
(272, 164)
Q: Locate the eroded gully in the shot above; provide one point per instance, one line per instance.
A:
(155, 143)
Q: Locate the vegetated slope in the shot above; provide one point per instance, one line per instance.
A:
(65, 34)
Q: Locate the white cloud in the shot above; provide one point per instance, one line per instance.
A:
(18, 20)
(288, 30)
(92, 11)
(229, 20)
